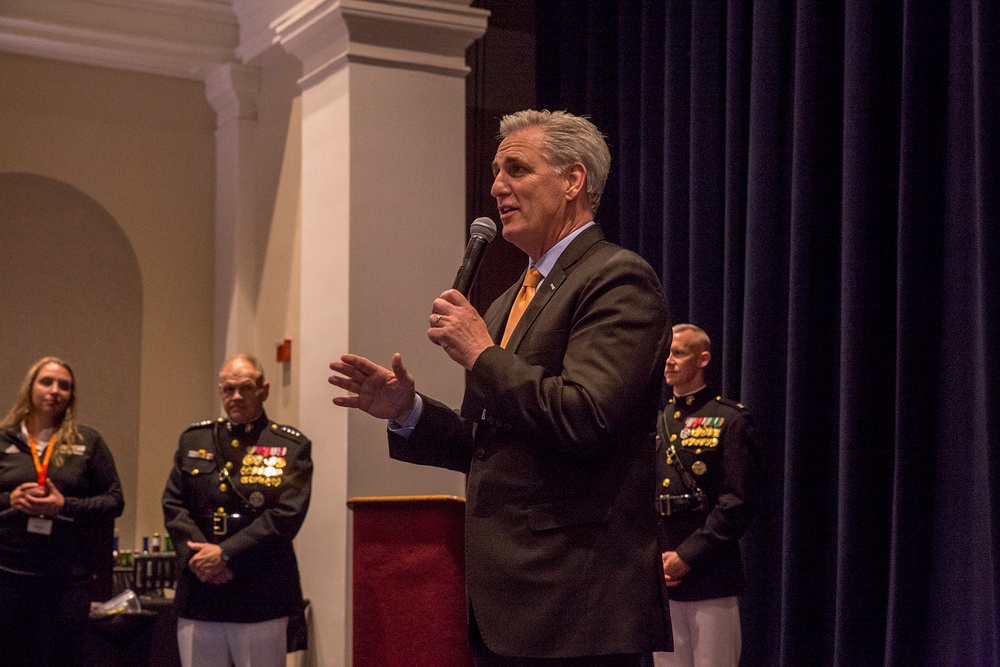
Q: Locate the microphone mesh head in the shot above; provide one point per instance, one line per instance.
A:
(483, 228)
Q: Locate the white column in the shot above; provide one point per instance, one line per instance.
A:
(232, 91)
(383, 231)
(315, 38)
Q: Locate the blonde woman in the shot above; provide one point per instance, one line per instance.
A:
(57, 478)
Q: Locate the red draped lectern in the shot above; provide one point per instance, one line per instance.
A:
(409, 582)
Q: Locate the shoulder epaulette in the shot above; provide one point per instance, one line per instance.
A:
(203, 424)
(288, 432)
(732, 404)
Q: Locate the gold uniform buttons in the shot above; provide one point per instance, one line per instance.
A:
(673, 436)
(223, 487)
(677, 414)
(229, 465)
(235, 443)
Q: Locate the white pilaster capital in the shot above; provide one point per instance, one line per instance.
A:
(233, 91)
(314, 31)
(427, 35)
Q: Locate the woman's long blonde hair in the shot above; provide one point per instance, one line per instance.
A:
(67, 433)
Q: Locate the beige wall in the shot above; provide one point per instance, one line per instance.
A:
(60, 243)
(142, 148)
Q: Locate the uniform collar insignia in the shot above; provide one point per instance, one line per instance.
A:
(692, 401)
(259, 423)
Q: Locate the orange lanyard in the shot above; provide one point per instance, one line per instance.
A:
(41, 467)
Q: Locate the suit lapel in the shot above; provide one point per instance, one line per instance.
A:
(547, 288)
(497, 313)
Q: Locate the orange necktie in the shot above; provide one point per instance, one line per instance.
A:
(531, 280)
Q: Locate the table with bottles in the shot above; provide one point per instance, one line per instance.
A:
(150, 571)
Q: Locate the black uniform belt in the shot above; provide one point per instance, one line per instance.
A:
(226, 523)
(688, 502)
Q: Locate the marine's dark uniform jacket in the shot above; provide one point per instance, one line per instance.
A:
(714, 439)
(88, 481)
(253, 512)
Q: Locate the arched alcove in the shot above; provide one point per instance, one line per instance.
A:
(70, 287)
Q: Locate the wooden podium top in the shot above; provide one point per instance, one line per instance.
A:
(411, 501)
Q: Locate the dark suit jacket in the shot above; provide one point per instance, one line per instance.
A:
(555, 435)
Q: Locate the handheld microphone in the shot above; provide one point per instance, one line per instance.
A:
(481, 232)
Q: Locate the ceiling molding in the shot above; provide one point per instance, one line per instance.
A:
(181, 38)
(191, 39)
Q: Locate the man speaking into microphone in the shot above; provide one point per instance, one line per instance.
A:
(562, 562)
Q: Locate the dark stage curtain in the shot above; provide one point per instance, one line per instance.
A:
(817, 183)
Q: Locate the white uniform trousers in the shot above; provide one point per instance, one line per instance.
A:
(706, 634)
(209, 644)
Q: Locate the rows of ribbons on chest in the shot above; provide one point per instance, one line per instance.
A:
(260, 465)
(263, 465)
(701, 431)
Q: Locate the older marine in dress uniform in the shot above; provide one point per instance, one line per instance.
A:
(705, 448)
(237, 495)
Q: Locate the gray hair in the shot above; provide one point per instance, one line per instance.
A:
(568, 139)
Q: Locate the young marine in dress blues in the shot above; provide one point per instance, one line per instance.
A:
(705, 448)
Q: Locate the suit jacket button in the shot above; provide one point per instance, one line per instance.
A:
(480, 453)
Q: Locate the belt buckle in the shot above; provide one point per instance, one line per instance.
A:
(220, 523)
(688, 502)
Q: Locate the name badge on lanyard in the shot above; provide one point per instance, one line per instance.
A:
(36, 524)
(39, 525)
